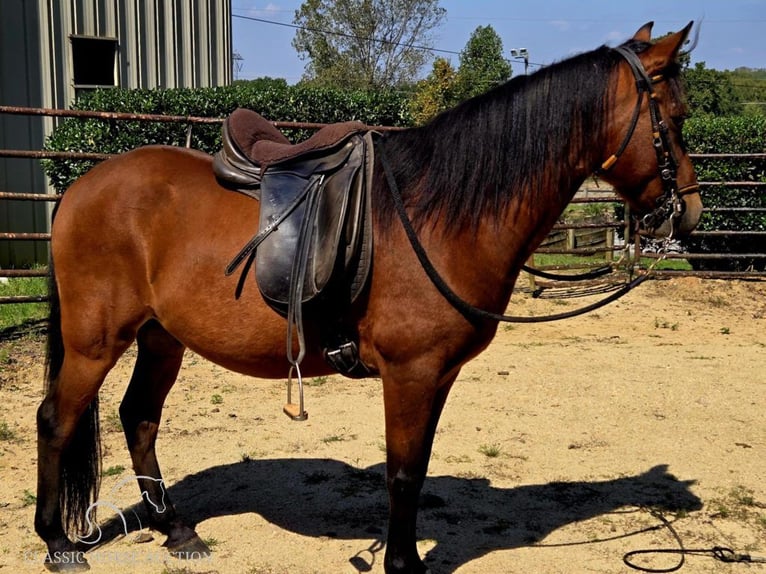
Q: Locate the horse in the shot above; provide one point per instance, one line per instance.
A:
(139, 244)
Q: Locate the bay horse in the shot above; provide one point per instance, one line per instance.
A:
(140, 242)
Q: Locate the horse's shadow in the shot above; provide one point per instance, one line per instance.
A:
(466, 517)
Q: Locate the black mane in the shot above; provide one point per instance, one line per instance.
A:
(468, 162)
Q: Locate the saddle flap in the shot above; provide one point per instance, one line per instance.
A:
(314, 238)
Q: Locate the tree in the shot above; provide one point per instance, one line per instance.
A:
(750, 87)
(482, 64)
(365, 43)
(710, 92)
(436, 93)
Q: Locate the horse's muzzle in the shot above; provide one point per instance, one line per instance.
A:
(676, 216)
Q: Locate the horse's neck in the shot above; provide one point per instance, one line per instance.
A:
(525, 225)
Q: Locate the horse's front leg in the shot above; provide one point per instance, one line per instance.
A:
(412, 413)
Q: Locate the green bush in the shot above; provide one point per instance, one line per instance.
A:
(273, 99)
(729, 135)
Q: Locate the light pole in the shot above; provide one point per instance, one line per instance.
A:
(521, 53)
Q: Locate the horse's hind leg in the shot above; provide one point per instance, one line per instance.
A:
(155, 372)
(68, 444)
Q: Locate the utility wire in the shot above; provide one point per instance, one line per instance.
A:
(343, 35)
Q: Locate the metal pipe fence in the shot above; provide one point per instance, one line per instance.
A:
(578, 238)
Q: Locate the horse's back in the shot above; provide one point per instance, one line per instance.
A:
(136, 209)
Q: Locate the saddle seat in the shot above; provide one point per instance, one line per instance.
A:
(251, 144)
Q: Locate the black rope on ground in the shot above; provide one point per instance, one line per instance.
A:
(720, 553)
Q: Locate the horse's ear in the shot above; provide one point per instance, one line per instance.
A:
(644, 33)
(666, 49)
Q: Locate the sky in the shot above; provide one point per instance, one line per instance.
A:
(732, 33)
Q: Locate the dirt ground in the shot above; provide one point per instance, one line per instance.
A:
(563, 447)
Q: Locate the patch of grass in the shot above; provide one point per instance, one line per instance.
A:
(216, 399)
(742, 496)
(662, 324)
(184, 570)
(725, 331)
(667, 264)
(575, 261)
(718, 301)
(490, 450)
(7, 434)
(739, 503)
(341, 436)
(562, 259)
(114, 470)
(17, 314)
(265, 570)
(111, 422)
(317, 381)
(211, 542)
(451, 458)
(28, 499)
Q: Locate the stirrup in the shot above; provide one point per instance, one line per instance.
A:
(295, 412)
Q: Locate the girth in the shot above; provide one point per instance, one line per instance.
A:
(313, 249)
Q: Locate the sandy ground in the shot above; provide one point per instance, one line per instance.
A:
(563, 447)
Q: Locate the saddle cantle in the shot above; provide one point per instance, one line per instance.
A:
(314, 242)
(251, 143)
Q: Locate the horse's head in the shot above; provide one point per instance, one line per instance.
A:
(649, 165)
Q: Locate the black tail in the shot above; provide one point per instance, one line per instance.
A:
(81, 460)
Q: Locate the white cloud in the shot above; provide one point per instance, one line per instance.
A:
(256, 9)
(616, 36)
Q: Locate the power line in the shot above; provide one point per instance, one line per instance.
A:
(352, 36)
(343, 35)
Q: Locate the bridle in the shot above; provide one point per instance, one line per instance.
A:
(670, 204)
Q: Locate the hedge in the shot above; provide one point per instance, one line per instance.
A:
(738, 135)
(275, 101)
(278, 101)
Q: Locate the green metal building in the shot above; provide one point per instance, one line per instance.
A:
(51, 50)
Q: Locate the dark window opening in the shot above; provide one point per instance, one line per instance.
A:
(93, 61)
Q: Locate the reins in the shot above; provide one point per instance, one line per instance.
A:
(471, 312)
(671, 207)
(586, 276)
(720, 553)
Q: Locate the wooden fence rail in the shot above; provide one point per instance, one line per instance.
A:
(574, 238)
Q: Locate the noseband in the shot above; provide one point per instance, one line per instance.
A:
(670, 205)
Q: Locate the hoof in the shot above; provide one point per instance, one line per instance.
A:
(192, 549)
(414, 566)
(69, 561)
